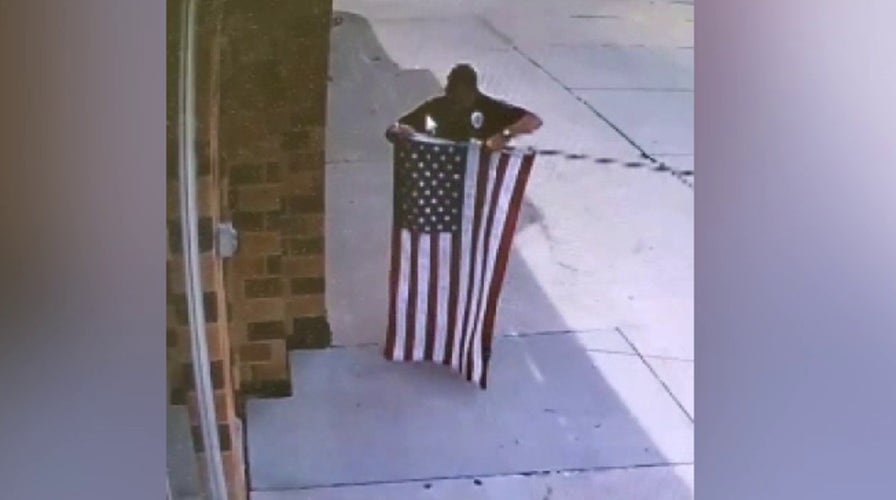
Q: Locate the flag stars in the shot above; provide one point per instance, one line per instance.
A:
(429, 185)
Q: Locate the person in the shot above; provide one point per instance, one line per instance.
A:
(465, 113)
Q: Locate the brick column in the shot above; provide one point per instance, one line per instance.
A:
(274, 65)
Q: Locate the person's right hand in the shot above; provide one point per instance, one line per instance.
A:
(404, 132)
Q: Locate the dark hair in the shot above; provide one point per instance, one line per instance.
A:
(461, 75)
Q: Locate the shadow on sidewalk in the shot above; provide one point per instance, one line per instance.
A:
(553, 403)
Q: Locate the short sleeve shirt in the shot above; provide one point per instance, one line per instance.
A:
(488, 116)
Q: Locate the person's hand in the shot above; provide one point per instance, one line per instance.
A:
(496, 142)
(401, 132)
(406, 131)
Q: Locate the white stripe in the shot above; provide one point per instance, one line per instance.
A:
(473, 332)
(401, 311)
(443, 290)
(472, 167)
(494, 238)
(423, 255)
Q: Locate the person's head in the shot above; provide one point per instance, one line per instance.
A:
(462, 87)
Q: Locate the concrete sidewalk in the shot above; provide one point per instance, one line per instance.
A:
(592, 395)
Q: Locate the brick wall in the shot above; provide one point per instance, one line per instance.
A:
(273, 103)
(224, 359)
(261, 102)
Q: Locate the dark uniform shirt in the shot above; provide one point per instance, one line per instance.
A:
(485, 118)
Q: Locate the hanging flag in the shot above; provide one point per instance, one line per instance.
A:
(455, 211)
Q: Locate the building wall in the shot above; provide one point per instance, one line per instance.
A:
(273, 104)
(261, 105)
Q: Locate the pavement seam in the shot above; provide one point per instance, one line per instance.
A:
(495, 31)
(568, 90)
(532, 61)
(656, 375)
(648, 356)
(594, 16)
(560, 332)
(613, 45)
(593, 331)
(682, 90)
(370, 345)
(526, 473)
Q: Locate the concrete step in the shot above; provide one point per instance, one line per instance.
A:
(183, 471)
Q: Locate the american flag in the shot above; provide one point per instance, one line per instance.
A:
(455, 211)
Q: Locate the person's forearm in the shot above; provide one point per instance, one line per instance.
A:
(526, 125)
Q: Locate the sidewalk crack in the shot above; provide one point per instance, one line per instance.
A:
(474, 477)
(655, 374)
(510, 41)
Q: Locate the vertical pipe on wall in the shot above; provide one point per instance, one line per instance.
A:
(217, 487)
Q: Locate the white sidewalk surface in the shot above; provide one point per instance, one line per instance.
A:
(603, 252)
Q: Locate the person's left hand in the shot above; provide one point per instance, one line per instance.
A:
(496, 142)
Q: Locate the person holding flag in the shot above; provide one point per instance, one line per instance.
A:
(465, 113)
(456, 203)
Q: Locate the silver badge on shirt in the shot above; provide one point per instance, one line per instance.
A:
(476, 119)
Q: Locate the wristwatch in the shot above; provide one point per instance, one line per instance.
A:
(506, 133)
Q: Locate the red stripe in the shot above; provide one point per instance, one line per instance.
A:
(496, 191)
(432, 309)
(393, 292)
(411, 321)
(513, 213)
(453, 293)
(481, 181)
